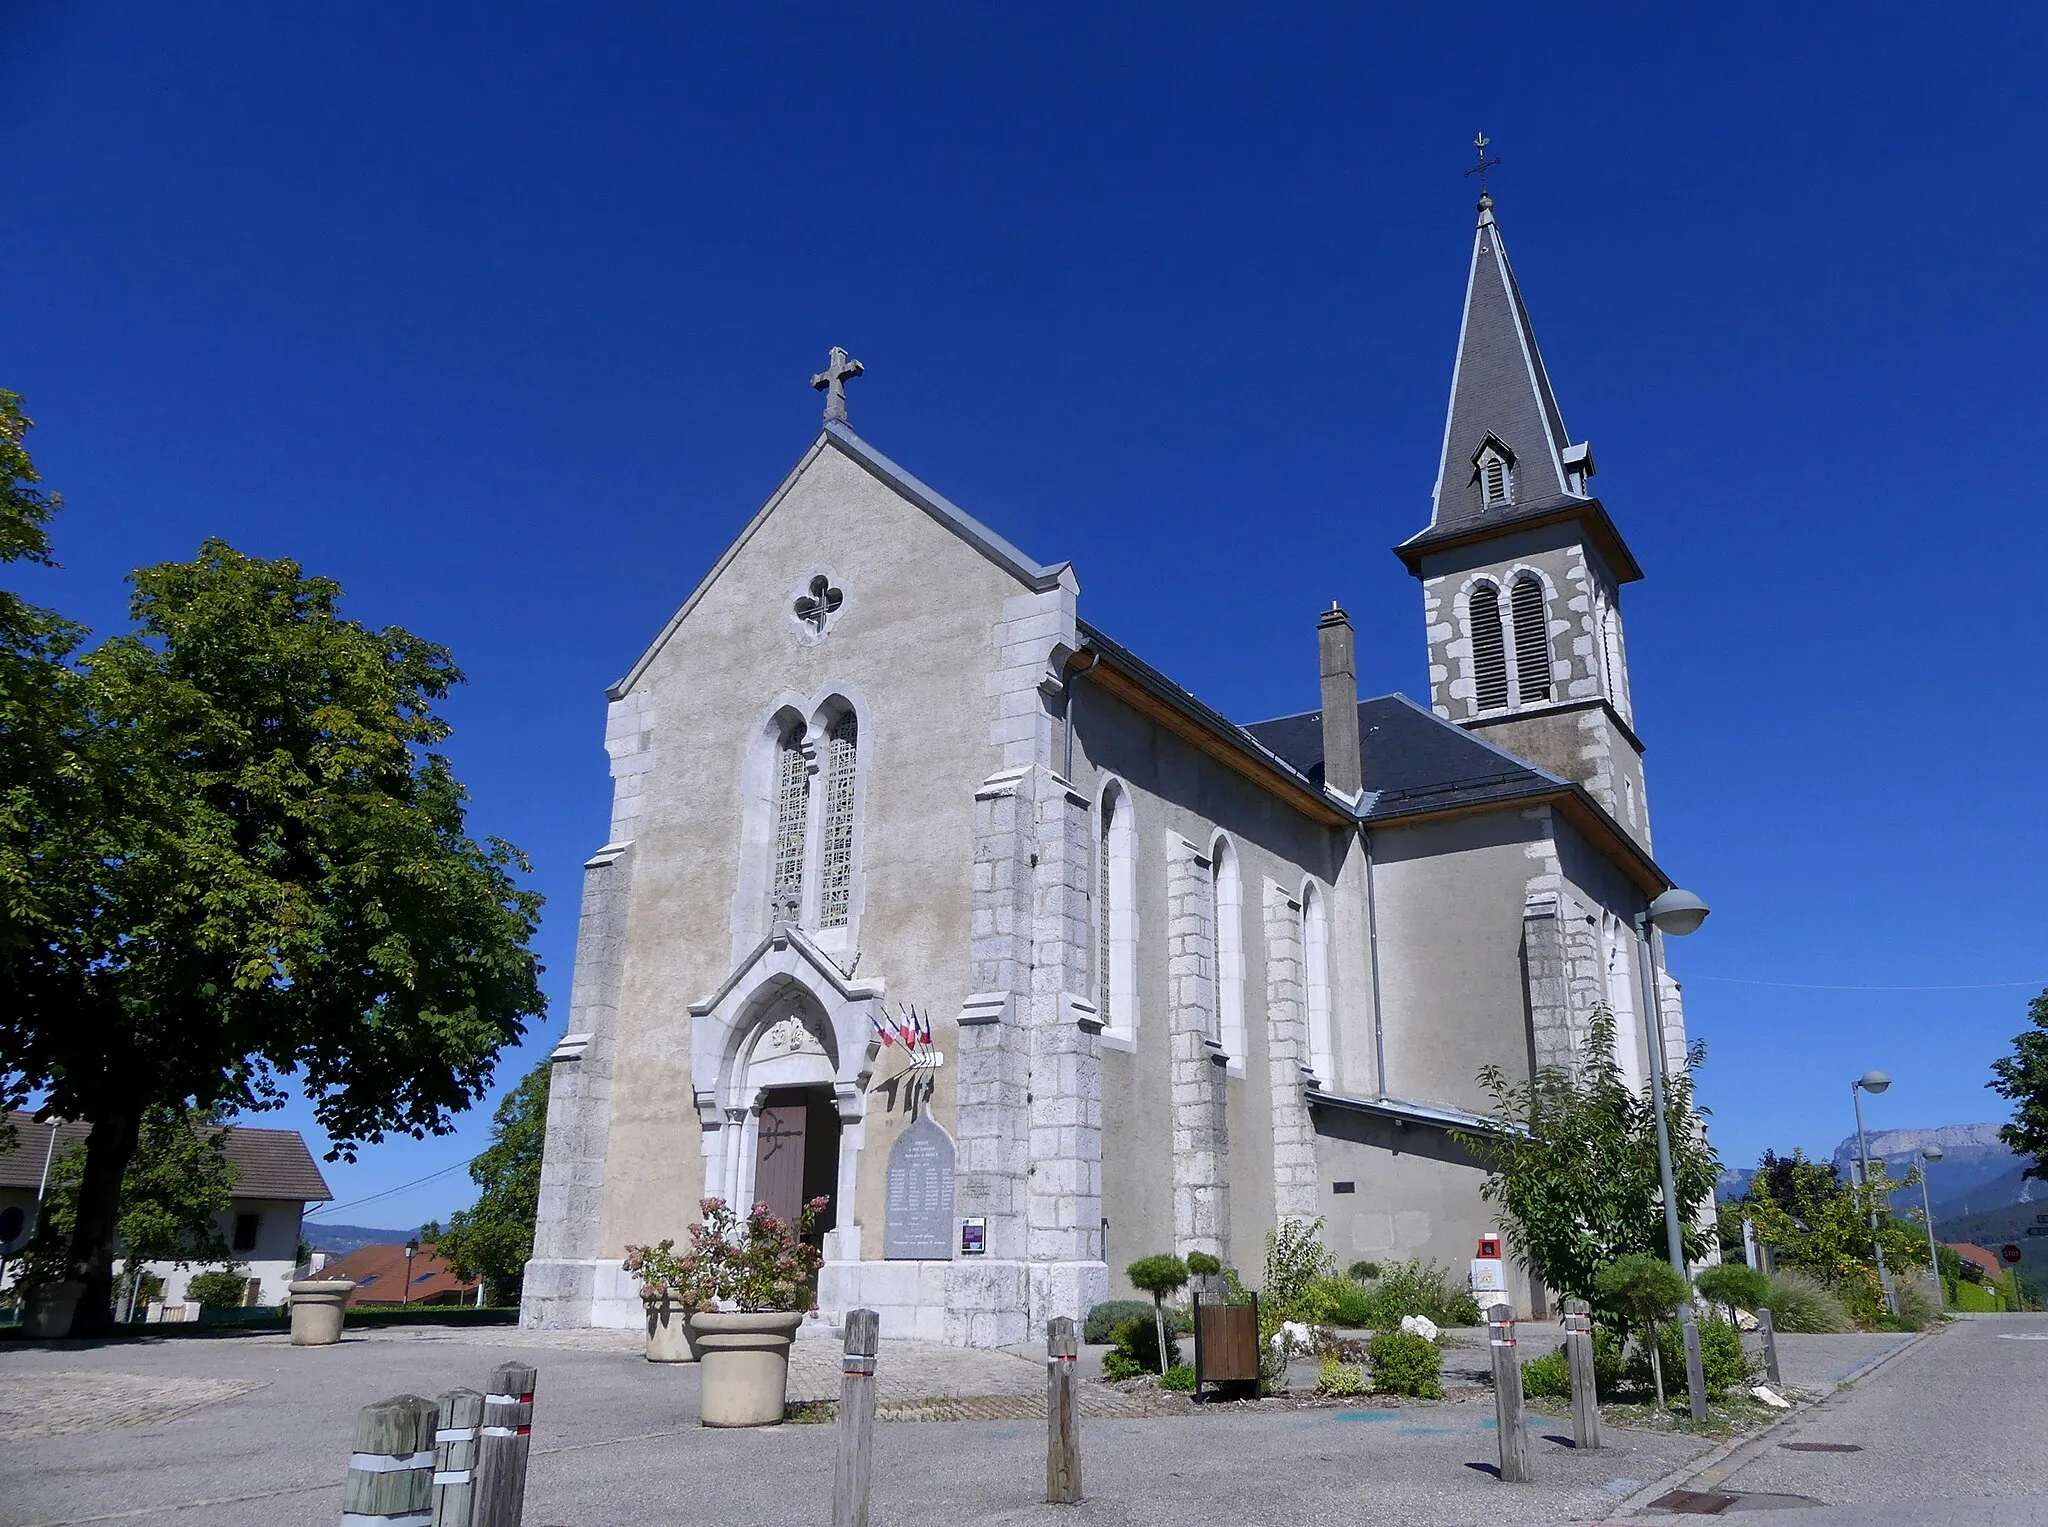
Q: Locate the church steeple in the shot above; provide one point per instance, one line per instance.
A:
(1521, 568)
(1505, 448)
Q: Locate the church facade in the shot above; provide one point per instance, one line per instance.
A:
(924, 896)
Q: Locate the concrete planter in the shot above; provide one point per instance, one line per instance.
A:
(49, 1310)
(670, 1338)
(745, 1359)
(318, 1307)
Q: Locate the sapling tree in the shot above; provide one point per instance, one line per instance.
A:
(1642, 1290)
(1734, 1285)
(1159, 1276)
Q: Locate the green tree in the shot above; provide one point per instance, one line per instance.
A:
(1642, 1290)
(1159, 1275)
(176, 1186)
(272, 880)
(1813, 1222)
(2022, 1079)
(1573, 1159)
(493, 1238)
(37, 709)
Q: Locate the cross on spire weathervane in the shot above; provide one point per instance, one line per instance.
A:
(832, 382)
(1480, 145)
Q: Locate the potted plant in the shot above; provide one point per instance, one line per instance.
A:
(673, 1287)
(760, 1272)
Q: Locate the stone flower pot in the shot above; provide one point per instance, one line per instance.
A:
(318, 1306)
(49, 1310)
(670, 1337)
(745, 1364)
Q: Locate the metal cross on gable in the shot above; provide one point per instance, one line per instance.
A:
(820, 604)
(839, 366)
(1480, 145)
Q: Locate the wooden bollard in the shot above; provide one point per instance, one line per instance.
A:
(1765, 1324)
(1695, 1369)
(1507, 1395)
(855, 1467)
(1578, 1352)
(455, 1448)
(500, 1499)
(1062, 1412)
(391, 1469)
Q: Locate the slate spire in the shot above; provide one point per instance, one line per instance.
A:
(1505, 447)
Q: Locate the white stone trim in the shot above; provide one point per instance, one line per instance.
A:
(1316, 990)
(1117, 988)
(1228, 913)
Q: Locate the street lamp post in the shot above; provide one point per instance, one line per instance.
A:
(412, 1249)
(1675, 914)
(1872, 1082)
(1929, 1154)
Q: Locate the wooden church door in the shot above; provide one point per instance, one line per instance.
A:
(779, 1161)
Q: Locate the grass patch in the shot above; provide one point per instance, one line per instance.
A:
(810, 1412)
(1730, 1415)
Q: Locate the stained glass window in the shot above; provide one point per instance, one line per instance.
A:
(792, 807)
(836, 887)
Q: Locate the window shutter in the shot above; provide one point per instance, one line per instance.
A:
(1489, 648)
(1532, 640)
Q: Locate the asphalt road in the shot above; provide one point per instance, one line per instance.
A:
(1953, 1430)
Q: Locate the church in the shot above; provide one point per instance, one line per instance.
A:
(927, 897)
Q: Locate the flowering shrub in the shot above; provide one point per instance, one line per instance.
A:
(760, 1263)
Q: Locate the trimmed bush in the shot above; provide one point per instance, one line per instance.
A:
(1403, 1363)
(1362, 1272)
(1797, 1303)
(1136, 1350)
(1340, 1380)
(1100, 1326)
(1548, 1377)
(224, 1287)
(1722, 1359)
(1734, 1285)
(1202, 1265)
(1180, 1379)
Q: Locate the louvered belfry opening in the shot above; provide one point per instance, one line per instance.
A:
(1494, 474)
(1532, 640)
(1489, 648)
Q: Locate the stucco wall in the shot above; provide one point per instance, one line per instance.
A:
(1176, 793)
(1450, 899)
(911, 647)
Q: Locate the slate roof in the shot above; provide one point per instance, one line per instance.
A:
(1414, 759)
(1498, 386)
(269, 1163)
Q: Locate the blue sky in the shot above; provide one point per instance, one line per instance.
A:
(503, 315)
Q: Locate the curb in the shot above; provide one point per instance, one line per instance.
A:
(1752, 1446)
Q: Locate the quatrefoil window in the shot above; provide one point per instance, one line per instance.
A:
(814, 610)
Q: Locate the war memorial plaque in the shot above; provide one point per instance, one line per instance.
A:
(919, 1223)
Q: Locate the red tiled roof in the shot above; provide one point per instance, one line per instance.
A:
(269, 1163)
(379, 1274)
(1990, 1261)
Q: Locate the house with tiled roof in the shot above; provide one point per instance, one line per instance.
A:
(384, 1275)
(275, 1178)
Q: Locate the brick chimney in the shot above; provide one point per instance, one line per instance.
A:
(1341, 769)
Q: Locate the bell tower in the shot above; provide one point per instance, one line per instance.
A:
(1521, 567)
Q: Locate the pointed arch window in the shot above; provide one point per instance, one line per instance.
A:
(1489, 648)
(835, 874)
(792, 822)
(1532, 639)
(1315, 973)
(1227, 890)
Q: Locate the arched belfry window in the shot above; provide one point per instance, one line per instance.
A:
(835, 869)
(1116, 914)
(1227, 889)
(1532, 640)
(792, 824)
(1489, 648)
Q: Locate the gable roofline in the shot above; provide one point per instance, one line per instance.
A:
(1590, 514)
(1037, 576)
(1121, 672)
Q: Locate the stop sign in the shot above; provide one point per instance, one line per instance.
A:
(2011, 1252)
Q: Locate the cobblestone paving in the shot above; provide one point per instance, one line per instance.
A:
(52, 1404)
